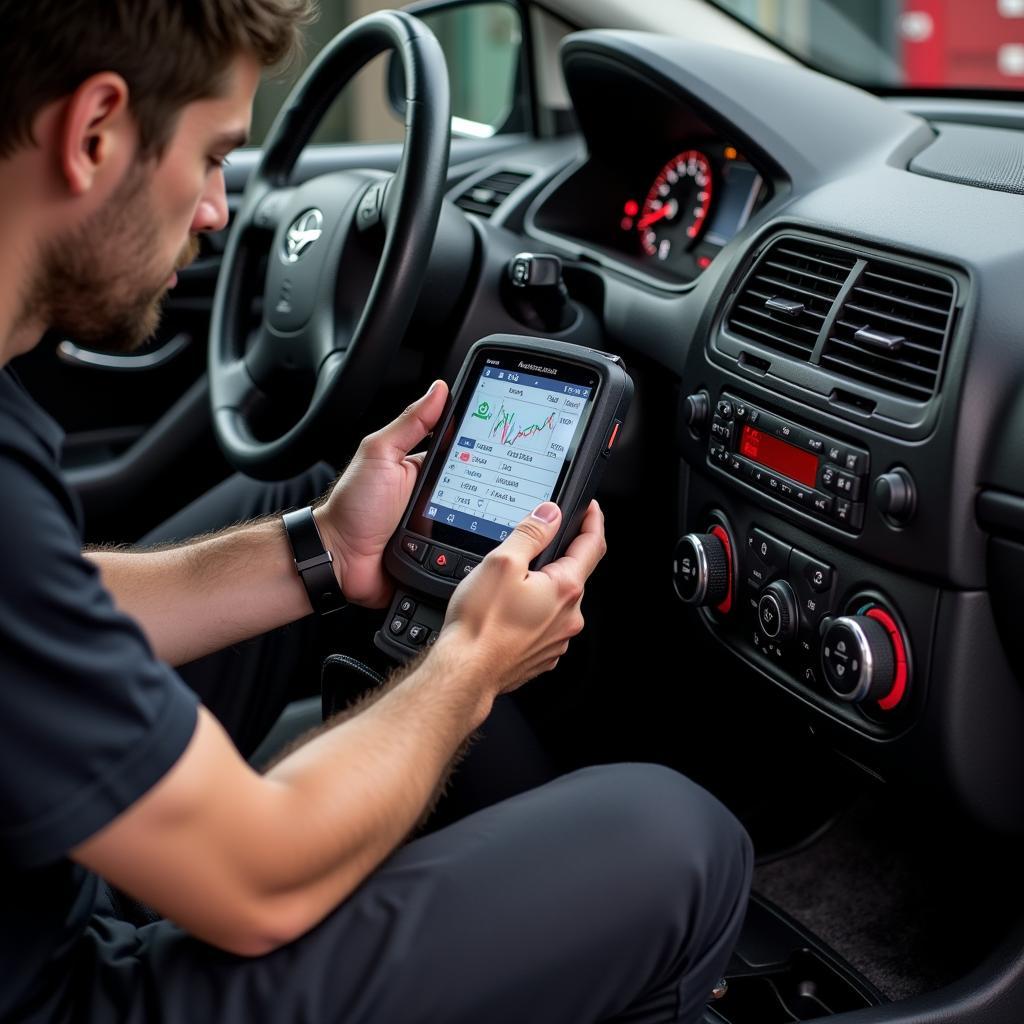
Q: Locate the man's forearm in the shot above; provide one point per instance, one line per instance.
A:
(210, 593)
(357, 790)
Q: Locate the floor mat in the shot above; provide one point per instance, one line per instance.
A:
(861, 893)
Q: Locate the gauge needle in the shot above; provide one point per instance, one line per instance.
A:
(667, 210)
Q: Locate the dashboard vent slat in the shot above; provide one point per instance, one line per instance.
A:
(790, 268)
(485, 196)
(898, 299)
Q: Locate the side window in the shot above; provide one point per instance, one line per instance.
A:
(482, 44)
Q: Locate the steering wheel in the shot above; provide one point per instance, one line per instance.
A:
(331, 321)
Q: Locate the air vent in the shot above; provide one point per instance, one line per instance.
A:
(892, 329)
(787, 295)
(489, 193)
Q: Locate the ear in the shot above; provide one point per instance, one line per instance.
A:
(97, 130)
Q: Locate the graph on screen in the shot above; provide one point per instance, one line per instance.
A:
(507, 452)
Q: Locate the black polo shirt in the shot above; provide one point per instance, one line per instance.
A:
(89, 718)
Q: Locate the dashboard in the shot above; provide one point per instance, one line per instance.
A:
(666, 216)
(832, 285)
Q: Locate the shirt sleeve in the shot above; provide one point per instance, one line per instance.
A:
(89, 718)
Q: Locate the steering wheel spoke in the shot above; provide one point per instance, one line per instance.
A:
(240, 391)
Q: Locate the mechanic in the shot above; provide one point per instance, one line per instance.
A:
(295, 894)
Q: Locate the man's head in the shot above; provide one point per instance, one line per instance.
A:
(128, 108)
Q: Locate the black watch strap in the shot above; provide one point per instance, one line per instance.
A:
(313, 562)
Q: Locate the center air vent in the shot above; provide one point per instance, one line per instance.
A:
(787, 295)
(892, 329)
(484, 197)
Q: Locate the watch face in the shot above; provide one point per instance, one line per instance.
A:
(509, 445)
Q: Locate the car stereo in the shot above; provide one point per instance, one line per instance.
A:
(821, 476)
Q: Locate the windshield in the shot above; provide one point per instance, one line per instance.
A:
(946, 44)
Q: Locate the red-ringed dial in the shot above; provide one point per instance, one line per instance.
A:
(676, 206)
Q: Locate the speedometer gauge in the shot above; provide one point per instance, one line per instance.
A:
(676, 205)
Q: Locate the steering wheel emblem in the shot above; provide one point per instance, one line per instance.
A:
(302, 233)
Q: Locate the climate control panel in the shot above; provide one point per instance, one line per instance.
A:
(788, 610)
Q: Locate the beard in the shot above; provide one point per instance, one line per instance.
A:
(97, 284)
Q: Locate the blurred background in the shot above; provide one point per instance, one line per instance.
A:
(891, 44)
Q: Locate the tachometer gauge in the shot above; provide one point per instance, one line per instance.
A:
(676, 205)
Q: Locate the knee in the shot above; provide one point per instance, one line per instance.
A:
(673, 833)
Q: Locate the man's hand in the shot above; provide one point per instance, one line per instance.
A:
(514, 624)
(367, 503)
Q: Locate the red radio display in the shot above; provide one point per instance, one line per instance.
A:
(781, 456)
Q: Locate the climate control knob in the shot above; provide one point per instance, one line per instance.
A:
(701, 569)
(777, 614)
(857, 658)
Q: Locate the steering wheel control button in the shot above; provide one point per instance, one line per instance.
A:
(396, 627)
(407, 607)
(857, 658)
(414, 547)
(417, 634)
(442, 562)
(370, 207)
(701, 569)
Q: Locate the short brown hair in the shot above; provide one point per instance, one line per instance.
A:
(170, 52)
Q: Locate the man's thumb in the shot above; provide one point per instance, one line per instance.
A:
(536, 531)
(417, 420)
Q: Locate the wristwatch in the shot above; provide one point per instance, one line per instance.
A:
(313, 562)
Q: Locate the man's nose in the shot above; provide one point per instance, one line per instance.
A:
(212, 211)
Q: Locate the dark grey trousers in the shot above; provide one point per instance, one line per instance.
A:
(611, 893)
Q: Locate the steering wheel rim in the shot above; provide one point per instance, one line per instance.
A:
(304, 327)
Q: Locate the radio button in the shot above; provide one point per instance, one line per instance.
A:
(736, 464)
(741, 411)
(848, 513)
(787, 490)
(755, 417)
(848, 486)
(725, 408)
(789, 432)
(834, 453)
(855, 462)
(828, 477)
(815, 444)
(821, 503)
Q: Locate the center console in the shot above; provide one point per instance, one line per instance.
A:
(779, 526)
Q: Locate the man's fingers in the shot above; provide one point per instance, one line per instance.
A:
(533, 534)
(588, 546)
(416, 421)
